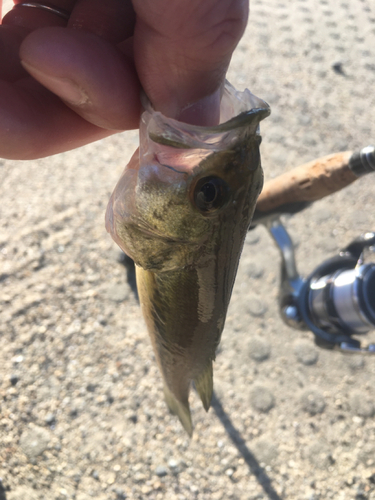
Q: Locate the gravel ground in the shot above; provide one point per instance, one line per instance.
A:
(81, 409)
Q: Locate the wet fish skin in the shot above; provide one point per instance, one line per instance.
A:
(187, 248)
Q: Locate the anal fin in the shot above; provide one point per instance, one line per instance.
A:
(181, 409)
(205, 385)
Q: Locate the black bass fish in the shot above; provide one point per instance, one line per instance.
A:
(181, 211)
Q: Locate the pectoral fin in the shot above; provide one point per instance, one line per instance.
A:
(181, 409)
(205, 386)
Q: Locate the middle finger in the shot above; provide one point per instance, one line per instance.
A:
(112, 20)
(34, 15)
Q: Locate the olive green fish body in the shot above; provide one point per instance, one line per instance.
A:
(181, 210)
(183, 347)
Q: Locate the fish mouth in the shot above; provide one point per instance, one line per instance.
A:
(240, 119)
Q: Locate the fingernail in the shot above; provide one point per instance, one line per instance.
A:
(205, 112)
(65, 88)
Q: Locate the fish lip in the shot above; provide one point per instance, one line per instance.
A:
(234, 123)
(250, 110)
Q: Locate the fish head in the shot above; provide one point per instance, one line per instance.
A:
(151, 218)
(185, 188)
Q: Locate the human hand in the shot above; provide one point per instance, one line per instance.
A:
(62, 88)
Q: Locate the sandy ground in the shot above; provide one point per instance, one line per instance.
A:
(81, 408)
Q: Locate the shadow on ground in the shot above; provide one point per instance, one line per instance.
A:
(240, 444)
(2, 492)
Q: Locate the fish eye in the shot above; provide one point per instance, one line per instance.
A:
(210, 194)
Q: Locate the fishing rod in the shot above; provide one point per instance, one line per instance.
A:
(337, 300)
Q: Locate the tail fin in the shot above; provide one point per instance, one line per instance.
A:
(181, 409)
(205, 386)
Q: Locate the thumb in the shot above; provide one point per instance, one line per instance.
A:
(90, 75)
(182, 50)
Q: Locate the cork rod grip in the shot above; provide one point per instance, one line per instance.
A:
(308, 182)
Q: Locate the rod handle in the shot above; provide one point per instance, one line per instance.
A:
(309, 182)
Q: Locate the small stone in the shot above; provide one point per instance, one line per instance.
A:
(319, 455)
(255, 306)
(308, 140)
(259, 348)
(102, 320)
(337, 67)
(145, 490)
(313, 496)
(73, 413)
(254, 271)
(366, 455)
(95, 475)
(355, 362)
(322, 214)
(139, 477)
(304, 119)
(361, 495)
(34, 442)
(275, 135)
(328, 243)
(90, 387)
(17, 359)
(261, 398)
(50, 419)
(173, 465)
(111, 478)
(362, 405)
(229, 472)
(252, 237)
(13, 379)
(133, 418)
(157, 485)
(265, 451)
(77, 477)
(305, 352)
(161, 471)
(313, 401)
(120, 494)
(117, 293)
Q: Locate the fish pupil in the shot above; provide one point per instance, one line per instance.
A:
(211, 193)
